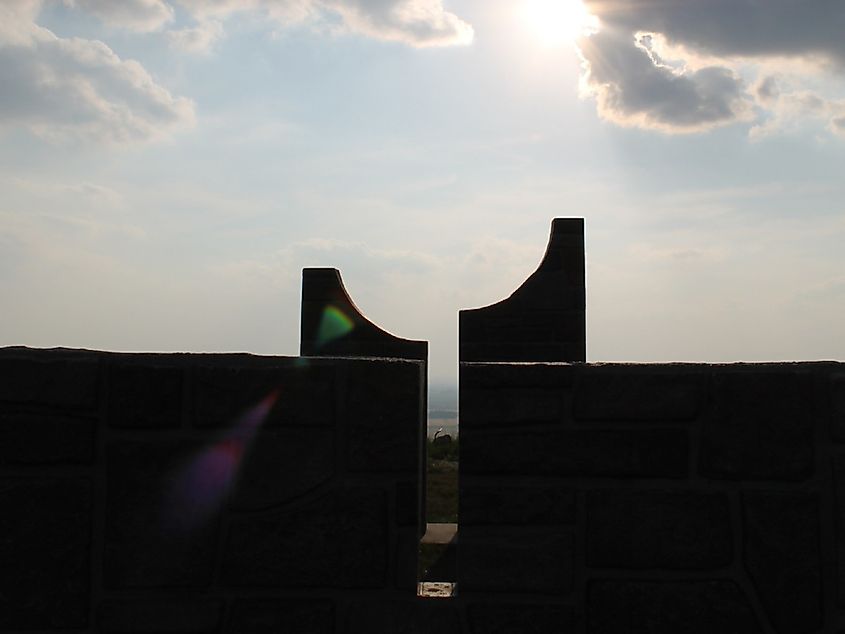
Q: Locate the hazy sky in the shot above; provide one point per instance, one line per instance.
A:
(167, 167)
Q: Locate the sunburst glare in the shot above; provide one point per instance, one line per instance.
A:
(558, 22)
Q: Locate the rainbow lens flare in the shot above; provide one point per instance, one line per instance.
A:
(333, 325)
(202, 484)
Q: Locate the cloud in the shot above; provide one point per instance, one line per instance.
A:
(707, 44)
(810, 29)
(74, 88)
(197, 39)
(414, 22)
(418, 23)
(791, 108)
(135, 15)
(633, 87)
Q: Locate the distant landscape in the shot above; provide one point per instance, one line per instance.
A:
(443, 409)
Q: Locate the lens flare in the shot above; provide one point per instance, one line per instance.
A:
(202, 484)
(333, 325)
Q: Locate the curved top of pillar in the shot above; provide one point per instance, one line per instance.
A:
(545, 318)
(332, 326)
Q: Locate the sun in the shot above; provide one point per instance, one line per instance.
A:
(558, 22)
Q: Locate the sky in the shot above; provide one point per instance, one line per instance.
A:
(168, 167)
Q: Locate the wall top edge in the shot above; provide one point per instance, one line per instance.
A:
(679, 365)
(212, 358)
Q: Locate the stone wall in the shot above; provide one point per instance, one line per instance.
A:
(205, 493)
(655, 498)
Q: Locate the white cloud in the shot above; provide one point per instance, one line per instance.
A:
(74, 88)
(709, 43)
(418, 23)
(790, 108)
(136, 15)
(196, 39)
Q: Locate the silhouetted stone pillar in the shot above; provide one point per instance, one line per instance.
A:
(545, 318)
(331, 325)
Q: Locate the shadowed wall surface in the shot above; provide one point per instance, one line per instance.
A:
(204, 493)
(656, 498)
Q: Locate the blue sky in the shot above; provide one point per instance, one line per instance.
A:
(167, 167)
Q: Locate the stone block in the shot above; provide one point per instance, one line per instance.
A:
(144, 394)
(50, 379)
(160, 616)
(515, 560)
(508, 405)
(384, 416)
(407, 504)
(669, 607)
(45, 542)
(502, 505)
(658, 529)
(837, 407)
(35, 439)
(407, 550)
(761, 427)
(520, 618)
(644, 453)
(339, 540)
(162, 505)
(839, 514)
(637, 393)
(281, 465)
(406, 617)
(281, 616)
(782, 549)
(305, 394)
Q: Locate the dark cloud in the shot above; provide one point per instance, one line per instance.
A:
(744, 28)
(633, 87)
(705, 40)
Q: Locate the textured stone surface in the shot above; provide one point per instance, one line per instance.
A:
(384, 416)
(837, 406)
(281, 616)
(782, 557)
(761, 427)
(516, 618)
(160, 616)
(402, 617)
(45, 533)
(515, 560)
(68, 381)
(305, 394)
(407, 504)
(640, 453)
(156, 531)
(144, 395)
(45, 439)
(839, 510)
(669, 607)
(515, 505)
(637, 393)
(281, 465)
(503, 405)
(658, 529)
(336, 541)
